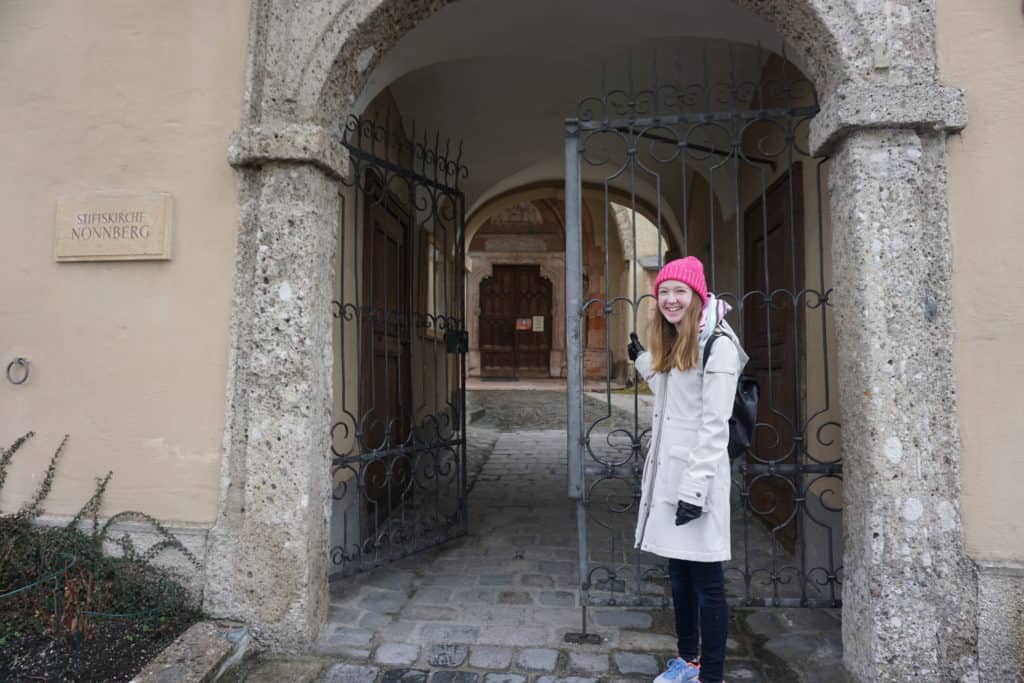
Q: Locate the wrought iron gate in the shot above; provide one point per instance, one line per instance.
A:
(399, 440)
(719, 170)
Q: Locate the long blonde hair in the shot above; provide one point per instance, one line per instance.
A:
(672, 349)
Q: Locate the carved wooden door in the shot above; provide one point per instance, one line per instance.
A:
(515, 322)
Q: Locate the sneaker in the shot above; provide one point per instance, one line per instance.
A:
(679, 671)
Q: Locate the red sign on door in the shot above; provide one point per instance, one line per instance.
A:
(524, 324)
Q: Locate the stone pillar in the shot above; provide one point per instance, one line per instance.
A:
(267, 553)
(909, 589)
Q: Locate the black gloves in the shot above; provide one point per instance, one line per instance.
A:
(686, 512)
(635, 348)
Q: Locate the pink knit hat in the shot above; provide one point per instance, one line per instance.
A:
(688, 270)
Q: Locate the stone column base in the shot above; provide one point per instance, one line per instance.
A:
(1001, 621)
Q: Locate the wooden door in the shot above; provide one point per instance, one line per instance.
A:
(386, 368)
(514, 302)
(773, 258)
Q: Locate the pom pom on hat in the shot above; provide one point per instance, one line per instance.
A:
(688, 270)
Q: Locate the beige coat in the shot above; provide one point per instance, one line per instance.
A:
(687, 459)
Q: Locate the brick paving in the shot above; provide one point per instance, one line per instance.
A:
(494, 607)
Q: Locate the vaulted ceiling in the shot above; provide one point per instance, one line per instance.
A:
(504, 76)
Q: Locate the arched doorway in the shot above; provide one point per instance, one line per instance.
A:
(883, 120)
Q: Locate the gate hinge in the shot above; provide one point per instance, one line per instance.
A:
(456, 341)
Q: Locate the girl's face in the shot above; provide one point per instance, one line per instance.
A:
(674, 298)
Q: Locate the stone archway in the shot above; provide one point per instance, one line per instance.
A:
(909, 587)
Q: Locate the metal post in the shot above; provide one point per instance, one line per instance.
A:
(574, 362)
(573, 306)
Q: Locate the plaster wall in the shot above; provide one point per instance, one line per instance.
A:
(129, 358)
(981, 48)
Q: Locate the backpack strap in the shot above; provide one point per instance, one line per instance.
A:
(707, 346)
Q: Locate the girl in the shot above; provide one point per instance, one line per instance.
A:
(684, 504)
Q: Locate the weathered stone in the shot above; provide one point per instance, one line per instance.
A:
(771, 622)
(566, 679)
(197, 654)
(434, 595)
(265, 563)
(623, 618)
(399, 631)
(1000, 620)
(343, 615)
(514, 598)
(345, 635)
(642, 640)
(801, 647)
(291, 671)
(397, 653)
(487, 657)
(449, 633)
(374, 620)
(429, 613)
(588, 662)
(455, 677)
(882, 105)
(909, 591)
(351, 673)
(447, 655)
(636, 663)
(515, 636)
(741, 673)
(504, 678)
(391, 579)
(405, 676)
(384, 602)
(538, 581)
(537, 659)
(557, 598)
(497, 580)
(297, 142)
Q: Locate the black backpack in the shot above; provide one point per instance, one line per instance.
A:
(744, 406)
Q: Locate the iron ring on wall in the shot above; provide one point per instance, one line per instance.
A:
(23, 364)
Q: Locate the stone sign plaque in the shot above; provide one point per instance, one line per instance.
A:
(113, 227)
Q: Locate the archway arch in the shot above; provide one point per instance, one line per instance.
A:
(351, 39)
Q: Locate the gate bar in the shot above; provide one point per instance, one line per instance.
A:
(573, 324)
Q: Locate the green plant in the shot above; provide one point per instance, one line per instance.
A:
(99, 584)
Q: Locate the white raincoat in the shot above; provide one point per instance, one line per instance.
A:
(687, 459)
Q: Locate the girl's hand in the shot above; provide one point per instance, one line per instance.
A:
(635, 348)
(686, 512)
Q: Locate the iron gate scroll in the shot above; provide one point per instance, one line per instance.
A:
(720, 170)
(399, 440)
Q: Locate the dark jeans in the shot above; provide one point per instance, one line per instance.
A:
(702, 615)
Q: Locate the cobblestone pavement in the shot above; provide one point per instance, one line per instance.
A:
(494, 607)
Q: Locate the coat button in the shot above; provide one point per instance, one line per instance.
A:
(698, 495)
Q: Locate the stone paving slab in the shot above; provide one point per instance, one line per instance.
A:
(350, 673)
(294, 671)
